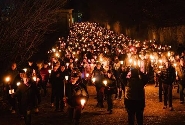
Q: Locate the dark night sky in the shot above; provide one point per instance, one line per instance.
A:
(159, 12)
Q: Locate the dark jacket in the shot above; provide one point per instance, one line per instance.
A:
(98, 74)
(25, 92)
(12, 74)
(111, 87)
(122, 79)
(74, 92)
(55, 79)
(134, 88)
(134, 92)
(181, 73)
(168, 75)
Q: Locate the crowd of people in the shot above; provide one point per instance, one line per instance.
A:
(116, 65)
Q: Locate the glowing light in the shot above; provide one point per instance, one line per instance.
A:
(139, 63)
(34, 78)
(160, 67)
(130, 60)
(93, 79)
(7, 79)
(82, 101)
(151, 57)
(25, 69)
(18, 83)
(175, 64)
(66, 77)
(169, 54)
(54, 50)
(160, 61)
(67, 64)
(101, 59)
(105, 82)
(121, 62)
(87, 74)
(57, 54)
(134, 63)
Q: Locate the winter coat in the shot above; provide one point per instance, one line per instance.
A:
(181, 73)
(74, 92)
(25, 93)
(98, 74)
(134, 88)
(111, 87)
(168, 75)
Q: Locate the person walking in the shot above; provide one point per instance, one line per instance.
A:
(99, 75)
(110, 89)
(134, 99)
(11, 85)
(25, 91)
(45, 77)
(168, 77)
(75, 93)
(54, 81)
(181, 79)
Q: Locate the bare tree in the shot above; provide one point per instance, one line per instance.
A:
(27, 23)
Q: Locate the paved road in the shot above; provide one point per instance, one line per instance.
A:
(154, 113)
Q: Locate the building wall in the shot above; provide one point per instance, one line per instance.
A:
(64, 20)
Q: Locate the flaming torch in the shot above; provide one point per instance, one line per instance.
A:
(18, 83)
(7, 79)
(25, 69)
(87, 75)
(66, 78)
(34, 78)
(93, 80)
(82, 101)
(105, 82)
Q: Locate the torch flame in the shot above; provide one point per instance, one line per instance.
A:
(175, 64)
(130, 60)
(7, 79)
(121, 62)
(105, 82)
(66, 77)
(67, 64)
(93, 79)
(57, 54)
(87, 75)
(34, 78)
(25, 69)
(82, 102)
(18, 83)
(49, 71)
